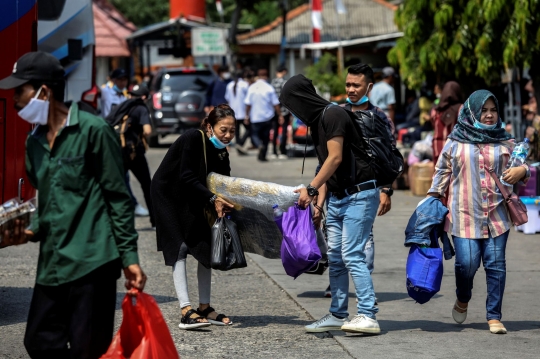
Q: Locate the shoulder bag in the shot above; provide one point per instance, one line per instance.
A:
(516, 208)
(209, 210)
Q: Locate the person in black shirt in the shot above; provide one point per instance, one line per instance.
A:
(352, 206)
(135, 137)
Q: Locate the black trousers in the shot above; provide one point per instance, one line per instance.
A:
(283, 138)
(80, 313)
(261, 136)
(139, 167)
(241, 140)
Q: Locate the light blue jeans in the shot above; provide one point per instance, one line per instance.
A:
(349, 223)
(492, 252)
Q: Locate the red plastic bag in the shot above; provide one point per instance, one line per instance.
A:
(143, 333)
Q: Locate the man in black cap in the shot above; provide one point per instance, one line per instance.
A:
(84, 223)
(115, 95)
(138, 129)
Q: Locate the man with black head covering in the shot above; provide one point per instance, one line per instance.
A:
(352, 206)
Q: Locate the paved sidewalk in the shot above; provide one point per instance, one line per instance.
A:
(416, 331)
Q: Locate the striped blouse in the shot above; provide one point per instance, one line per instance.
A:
(476, 206)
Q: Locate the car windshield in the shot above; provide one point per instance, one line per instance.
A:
(178, 82)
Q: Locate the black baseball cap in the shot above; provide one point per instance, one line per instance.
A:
(34, 66)
(118, 74)
(140, 90)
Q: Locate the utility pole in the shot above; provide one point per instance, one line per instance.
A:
(284, 8)
(339, 10)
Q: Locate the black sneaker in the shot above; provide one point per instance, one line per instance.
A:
(328, 292)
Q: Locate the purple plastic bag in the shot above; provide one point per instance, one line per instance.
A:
(299, 249)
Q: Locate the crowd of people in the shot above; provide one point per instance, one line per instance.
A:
(85, 222)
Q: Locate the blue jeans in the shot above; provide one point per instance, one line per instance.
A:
(491, 251)
(349, 222)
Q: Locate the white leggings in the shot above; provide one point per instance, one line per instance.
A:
(204, 276)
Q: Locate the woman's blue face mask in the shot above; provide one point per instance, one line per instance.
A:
(482, 126)
(216, 142)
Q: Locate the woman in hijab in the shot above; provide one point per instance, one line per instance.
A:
(444, 116)
(478, 218)
(180, 196)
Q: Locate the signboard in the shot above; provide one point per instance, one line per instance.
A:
(206, 41)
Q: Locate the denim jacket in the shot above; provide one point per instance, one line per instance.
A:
(426, 223)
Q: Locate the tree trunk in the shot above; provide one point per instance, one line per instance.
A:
(234, 21)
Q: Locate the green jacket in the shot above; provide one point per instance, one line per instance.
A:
(85, 216)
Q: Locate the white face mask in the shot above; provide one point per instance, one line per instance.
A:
(226, 75)
(36, 112)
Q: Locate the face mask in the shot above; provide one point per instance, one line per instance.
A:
(36, 112)
(438, 95)
(226, 75)
(117, 89)
(482, 126)
(217, 143)
(362, 101)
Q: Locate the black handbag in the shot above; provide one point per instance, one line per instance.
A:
(226, 249)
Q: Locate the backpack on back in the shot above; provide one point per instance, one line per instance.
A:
(383, 157)
(119, 119)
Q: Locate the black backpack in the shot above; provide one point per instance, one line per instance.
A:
(384, 158)
(119, 119)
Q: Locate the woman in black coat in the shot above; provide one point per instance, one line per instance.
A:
(179, 196)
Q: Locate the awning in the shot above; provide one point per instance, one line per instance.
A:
(346, 43)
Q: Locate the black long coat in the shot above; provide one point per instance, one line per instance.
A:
(179, 195)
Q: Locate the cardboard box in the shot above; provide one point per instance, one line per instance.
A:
(420, 177)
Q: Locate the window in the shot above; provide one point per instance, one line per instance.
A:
(194, 81)
(50, 10)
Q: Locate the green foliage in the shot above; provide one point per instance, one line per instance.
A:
(143, 13)
(254, 12)
(324, 78)
(468, 40)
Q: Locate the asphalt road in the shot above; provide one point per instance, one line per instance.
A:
(269, 309)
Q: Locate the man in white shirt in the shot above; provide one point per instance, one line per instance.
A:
(115, 95)
(383, 94)
(262, 105)
(235, 94)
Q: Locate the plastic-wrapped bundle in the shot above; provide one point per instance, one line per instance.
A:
(253, 202)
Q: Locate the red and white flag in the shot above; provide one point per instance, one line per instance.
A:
(316, 19)
(219, 7)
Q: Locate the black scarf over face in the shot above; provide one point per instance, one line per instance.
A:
(299, 96)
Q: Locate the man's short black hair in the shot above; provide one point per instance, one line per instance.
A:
(363, 69)
(57, 88)
(282, 69)
(223, 69)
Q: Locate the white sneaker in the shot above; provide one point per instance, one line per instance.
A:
(326, 323)
(273, 157)
(283, 157)
(362, 324)
(140, 211)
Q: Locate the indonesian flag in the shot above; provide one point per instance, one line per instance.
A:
(219, 7)
(316, 19)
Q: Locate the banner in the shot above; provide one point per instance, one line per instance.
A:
(207, 41)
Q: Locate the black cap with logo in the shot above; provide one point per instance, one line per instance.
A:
(140, 90)
(34, 66)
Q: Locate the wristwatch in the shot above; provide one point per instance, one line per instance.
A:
(213, 199)
(388, 191)
(312, 191)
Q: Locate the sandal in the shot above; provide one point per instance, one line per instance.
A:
(217, 321)
(189, 322)
(459, 317)
(497, 328)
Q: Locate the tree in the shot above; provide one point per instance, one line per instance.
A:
(473, 41)
(143, 13)
(324, 75)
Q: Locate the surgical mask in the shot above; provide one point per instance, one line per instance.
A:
(36, 112)
(362, 101)
(119, 90)
(217, 143)
(226, 75)
(482, 126)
